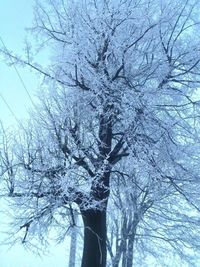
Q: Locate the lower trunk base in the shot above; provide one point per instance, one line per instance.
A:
(94, 251)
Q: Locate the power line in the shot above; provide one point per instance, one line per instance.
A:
(11, 111)
(16, 70)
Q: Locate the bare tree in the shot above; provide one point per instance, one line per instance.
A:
(151, 219)
(122, 88)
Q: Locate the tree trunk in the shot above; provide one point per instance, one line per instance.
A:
(124, 254)
(116, 259)
(130, 253)
(94, 250)
(73, 245)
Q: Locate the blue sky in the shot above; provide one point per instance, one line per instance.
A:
(15, 16)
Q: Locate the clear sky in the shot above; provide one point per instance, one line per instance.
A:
(15, 16)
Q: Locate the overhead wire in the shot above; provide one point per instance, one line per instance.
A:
(17, 72)
(11, 111)
(22, 82)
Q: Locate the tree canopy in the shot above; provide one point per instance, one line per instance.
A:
(118, 115)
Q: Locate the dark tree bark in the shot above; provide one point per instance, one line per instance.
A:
(94, 219)
(124, 254)
(130, 252)
(94, 251)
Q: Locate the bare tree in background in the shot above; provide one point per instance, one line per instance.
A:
(151, 219)
(73, 243)
(122, 89)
